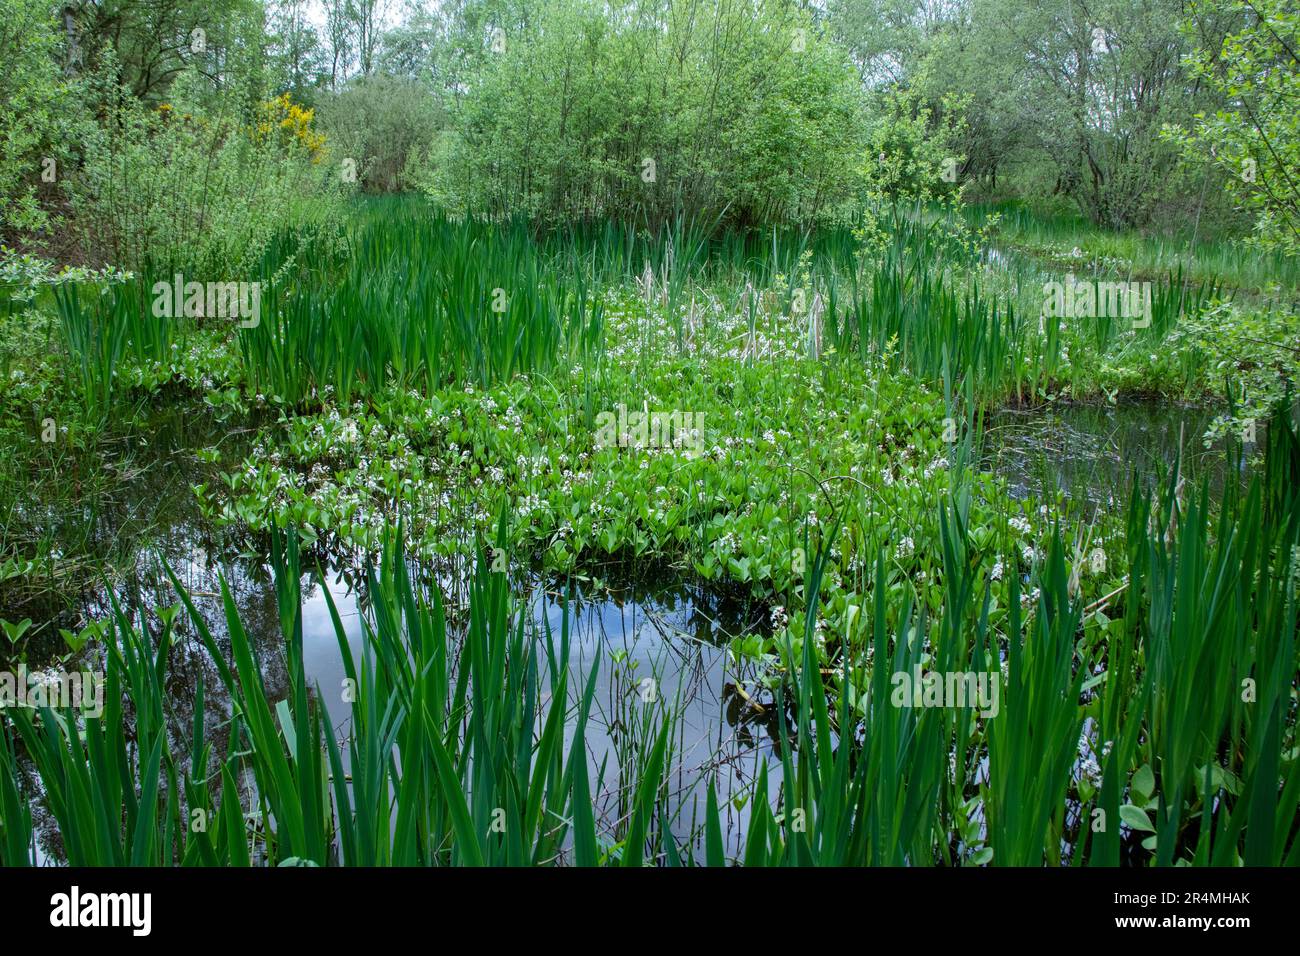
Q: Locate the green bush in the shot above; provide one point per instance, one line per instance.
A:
(180, 187)
(383, 124)
(695, 107)
(909, 150)
(35, 108)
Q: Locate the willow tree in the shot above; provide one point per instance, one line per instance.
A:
(647, 108)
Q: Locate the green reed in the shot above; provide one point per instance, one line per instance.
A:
(453, 752)
(1185, 701)
(453, 746)
(423, 301)
(905, 304)
(107, 327)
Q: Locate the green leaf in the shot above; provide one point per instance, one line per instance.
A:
(1136, 818)
(74, 641)
(15, 632)
(1144, 782)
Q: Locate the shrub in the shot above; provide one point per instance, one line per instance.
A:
(908, 146)
(705, 108)
(34, 109)
(182, 187)
(384, 124)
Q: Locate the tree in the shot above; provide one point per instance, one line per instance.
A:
(645, 108)
(151, 42)
(298, 55)
(383, 123)
(339, 36)
(368, 20)
(35, 103)
(1082, 86)
(1254, 135)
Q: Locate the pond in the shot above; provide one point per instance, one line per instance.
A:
(658, 640)
(1092, 452)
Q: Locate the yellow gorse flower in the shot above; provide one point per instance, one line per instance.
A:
(291, 124)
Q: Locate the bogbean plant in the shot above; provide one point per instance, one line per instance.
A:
(407, 443)
(591, 319)
(729, 504)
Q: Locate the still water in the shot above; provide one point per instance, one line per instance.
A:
(655, 639)
(1092, 453)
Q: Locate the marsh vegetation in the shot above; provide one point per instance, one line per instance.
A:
(662, 432)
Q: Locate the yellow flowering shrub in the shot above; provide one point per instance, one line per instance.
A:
(286, 122)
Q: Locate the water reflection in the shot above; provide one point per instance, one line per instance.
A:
(659, 648)
(1091, 452)
(656, 645)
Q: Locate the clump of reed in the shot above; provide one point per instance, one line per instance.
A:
(108, 327)
(423, 301)
(1166, 737)
(453, 752)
